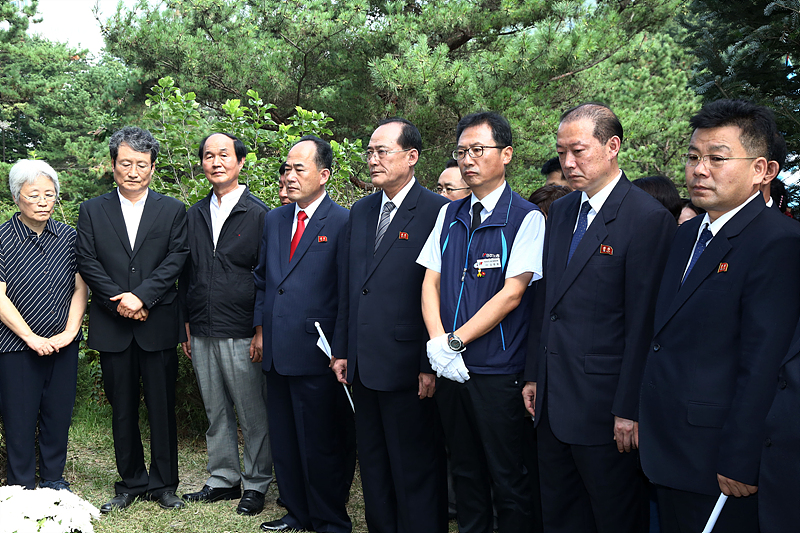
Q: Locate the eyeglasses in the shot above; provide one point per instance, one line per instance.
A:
(473, 151)
(450, 190)
(381, 153)
(711, 161)
(35, 199)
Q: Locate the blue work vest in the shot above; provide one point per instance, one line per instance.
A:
(465, 288)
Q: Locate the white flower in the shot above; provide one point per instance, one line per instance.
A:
(44, 511)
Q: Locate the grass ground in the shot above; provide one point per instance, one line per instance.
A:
(92, 472)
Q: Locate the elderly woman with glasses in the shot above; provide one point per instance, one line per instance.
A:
(42, 301)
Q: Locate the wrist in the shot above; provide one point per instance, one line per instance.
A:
(455, 343)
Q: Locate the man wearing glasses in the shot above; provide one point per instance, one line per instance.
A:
(451, 185)
(725, 314)
(605, 250)
(379, 341)
(481, 256)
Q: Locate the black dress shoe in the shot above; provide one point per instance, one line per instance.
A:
(278, 525)
(168, 500)
(118, 502)
(212, 494)
(252, 503)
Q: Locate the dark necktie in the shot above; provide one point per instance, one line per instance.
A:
(388, 207)
(298, 233)
(583, 223)
(705, 236)
(476, 216)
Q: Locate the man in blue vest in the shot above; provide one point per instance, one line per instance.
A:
(481, 256)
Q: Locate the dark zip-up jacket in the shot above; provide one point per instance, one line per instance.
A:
(216, 288)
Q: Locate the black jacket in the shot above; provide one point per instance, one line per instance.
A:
(217, 291)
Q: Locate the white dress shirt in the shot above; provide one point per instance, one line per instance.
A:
(310, 210)
(132, 213)
(221, 210)
(596, 201)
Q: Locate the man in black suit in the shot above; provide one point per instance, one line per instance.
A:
(296, 288)
(131, 247)
(380, 341)
(605, 247)
(727, 307)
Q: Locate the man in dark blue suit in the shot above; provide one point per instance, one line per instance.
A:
(726, 309)
(778, 489)
(380, 341)
(297, 288)
(605, 247)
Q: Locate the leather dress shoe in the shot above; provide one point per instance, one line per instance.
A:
(278, 525)
(252, 503)
(168, 500)
(118, 502)
(212, 494)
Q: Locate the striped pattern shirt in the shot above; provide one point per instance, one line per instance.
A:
(39, 273)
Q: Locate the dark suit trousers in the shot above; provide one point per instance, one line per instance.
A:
(590, 489)
(158, 372)
(402, 461)
(37, 389)
(309, 432)
(483, 422)
(688, 512)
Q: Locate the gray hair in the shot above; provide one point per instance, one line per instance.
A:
(26, 171)
(137, 139)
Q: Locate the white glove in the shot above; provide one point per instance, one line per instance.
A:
(439, 353)
(457, 370)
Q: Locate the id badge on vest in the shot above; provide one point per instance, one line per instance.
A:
(486, 262)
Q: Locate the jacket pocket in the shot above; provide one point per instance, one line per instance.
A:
(602, 364)
(327, 325)
(707, 415)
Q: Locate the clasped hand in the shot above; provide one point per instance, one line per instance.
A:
(445, 362)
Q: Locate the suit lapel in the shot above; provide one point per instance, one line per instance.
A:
(310, 234)
(404, 215)
(708, 262)
(152, 207)
(113, 211)
(592, 239)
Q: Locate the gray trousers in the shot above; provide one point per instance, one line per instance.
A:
(227, 380)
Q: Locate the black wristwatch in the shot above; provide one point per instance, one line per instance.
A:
(455, 344)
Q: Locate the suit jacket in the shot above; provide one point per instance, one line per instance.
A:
(109, 266)
(718, 343)
(292, 295)
(598, 312)
(380, 326)
(778, 490)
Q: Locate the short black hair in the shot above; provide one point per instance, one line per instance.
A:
(238, 146)
(685, 202)
(137, 139)
(409, 134)
(324, 153)
(779, 194)
(606, 123)
(777, 150)
(552, 165)
(451, 163)
(756, 123)
(662, 189)
(544, 196)
(282, 169)
(501, 129)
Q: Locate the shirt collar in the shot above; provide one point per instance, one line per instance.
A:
(602, 195)
(228, 200)
(400, 196)
(23, 231)
(489, 201)
(125, 201)
(312, 207)
(715, 226)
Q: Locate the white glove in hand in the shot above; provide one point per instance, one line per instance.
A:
(457, 369)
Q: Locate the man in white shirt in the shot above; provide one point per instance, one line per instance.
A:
(218, 298)
(476, 312)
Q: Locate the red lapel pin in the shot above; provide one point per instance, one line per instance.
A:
(403, 236)
(322, 238)
(606, 249)
(723, 267)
